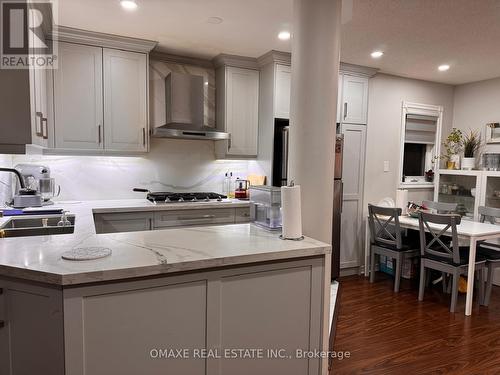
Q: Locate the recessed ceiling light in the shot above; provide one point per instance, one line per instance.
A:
(377, 54)
(284, 35)
(443, 68)
(128, 4)
(215, 20)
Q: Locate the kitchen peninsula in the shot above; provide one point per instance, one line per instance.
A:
(193, 288)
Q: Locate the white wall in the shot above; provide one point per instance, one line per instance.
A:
(386, 94)
(477, 104)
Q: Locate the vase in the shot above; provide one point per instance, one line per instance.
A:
(468, 164)
(450, 164)
(456, 159)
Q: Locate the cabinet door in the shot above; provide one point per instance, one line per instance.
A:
(355, 100)
(282, 91)
(125, 100)
(242, 110)
(31, 343)
(353, 178)
(78, 97)
(123, 222)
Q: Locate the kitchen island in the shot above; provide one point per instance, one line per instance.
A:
(198, 300)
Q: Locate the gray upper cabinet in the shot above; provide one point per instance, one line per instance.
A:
(78, 98)
(283, 78)
(355, 100)
(238, 111)
(125, 100)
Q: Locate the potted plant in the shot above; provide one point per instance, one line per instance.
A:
(471, 144)
(452, 146)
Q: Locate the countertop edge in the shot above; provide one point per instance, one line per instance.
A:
(123, 274)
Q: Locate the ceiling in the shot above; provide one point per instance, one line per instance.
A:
(416, 35)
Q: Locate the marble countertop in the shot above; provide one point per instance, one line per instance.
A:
(141, 254)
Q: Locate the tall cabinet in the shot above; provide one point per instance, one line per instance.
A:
(352, 118)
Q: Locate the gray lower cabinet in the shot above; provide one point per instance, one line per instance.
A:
(140, 221)
(123, 222)
(134, 327)
(31, 329)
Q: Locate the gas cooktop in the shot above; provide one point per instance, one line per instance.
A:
(168, 197)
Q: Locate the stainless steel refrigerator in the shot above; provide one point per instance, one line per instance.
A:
(338, 190)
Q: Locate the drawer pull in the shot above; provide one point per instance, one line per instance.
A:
(197, 217)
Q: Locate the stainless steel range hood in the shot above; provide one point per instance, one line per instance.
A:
(184, 101)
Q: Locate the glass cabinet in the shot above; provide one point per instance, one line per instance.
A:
(491, 189)
(461, 187)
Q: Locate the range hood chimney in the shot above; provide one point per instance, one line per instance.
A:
(184, 101)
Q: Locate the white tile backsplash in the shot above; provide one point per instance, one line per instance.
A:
(172, 165)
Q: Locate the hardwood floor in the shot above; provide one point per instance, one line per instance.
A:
(393, 333)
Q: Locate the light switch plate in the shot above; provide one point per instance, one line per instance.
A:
(386, 165)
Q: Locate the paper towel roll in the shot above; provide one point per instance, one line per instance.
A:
(291, 212)
(402, 200)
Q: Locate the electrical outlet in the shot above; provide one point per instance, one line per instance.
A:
(386, 166)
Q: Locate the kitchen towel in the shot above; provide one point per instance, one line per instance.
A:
(402, 200)
(291, 212)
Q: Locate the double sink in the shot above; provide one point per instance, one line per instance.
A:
(23, 226)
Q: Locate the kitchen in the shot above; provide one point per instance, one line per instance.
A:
(153, 148)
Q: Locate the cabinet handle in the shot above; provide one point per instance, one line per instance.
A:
(229, 142)
(1, 291)
(99, 134)
(345, 110)
(197, 217)
(150, 224)
(144, 137)
(45, 129)
(39, 129)
(2, 323)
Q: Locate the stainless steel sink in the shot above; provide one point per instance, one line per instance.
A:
(37, 226)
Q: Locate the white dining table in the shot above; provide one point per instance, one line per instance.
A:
(472, 231)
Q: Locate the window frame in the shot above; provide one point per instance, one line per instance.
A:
(424, 110)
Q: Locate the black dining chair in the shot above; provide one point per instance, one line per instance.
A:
(490, 251)
(439, 254)
(387, 239)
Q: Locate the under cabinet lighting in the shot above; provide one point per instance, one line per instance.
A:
(377, 54)
(443, 68)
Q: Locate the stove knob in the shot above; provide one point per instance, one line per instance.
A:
(167, 199)
(207, 199)
(181, 199)
(219, 199)
(194, 199)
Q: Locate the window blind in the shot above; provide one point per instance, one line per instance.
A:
(420, 129)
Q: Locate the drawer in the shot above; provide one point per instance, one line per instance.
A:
(164, 219)
(123, 222)
(242, 215)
